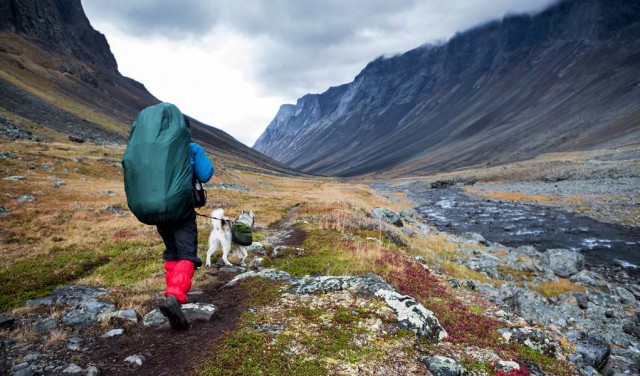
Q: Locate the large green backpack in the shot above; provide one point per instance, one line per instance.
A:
(157, 169)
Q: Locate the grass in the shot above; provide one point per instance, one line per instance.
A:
(556, 287)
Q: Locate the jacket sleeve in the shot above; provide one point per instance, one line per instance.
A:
(203, 168)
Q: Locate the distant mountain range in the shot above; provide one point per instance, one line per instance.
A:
(565, 79)
(57, 72)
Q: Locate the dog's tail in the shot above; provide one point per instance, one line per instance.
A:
(216, 220)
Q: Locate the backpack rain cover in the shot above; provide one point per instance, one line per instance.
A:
(157, 169)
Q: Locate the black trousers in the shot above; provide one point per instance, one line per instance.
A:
(181, 240)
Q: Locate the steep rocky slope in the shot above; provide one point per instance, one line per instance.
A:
(58, 73)
(565, 79)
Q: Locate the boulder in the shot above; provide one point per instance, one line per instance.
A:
(413, 316)
(591, 350)
(442, 184)
(588, 278)
(136, 359)
(443, 366)
(127, 314)
(618, 365)
(387, 215)
(367, 284)
(563, 262)
(626, 296)
(271, 274)
(535, 339)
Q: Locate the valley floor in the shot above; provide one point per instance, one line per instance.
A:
(323, 293)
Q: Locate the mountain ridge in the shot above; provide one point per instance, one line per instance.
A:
(443, 107)
(58, 73)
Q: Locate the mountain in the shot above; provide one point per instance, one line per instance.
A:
(565, 79)
(58, 78)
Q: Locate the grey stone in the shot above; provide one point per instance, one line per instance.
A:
(602, 299)
(6, 321)
(30, 357)
(96, 306)
(199, 311)
(618, 365)
(473, 238)
(413, 316)
(45, 325)
(15, 178)
(58, 184)
(256, 263)
(366, 285)
(626, 296)
(443, 366)
(507, 366)
(113, 333)
(387, 215)
(92, 371)
(153, 319)
(73, 369)
(127, 314)
(271, 274)
(116, 209)
(407, 216)
(136, 359)
(588, 278)
(535, 339)
(78, 318)
(109, 192)
(70, 295)
(563, 262)
(26, 198)
(22, 369)
(407, 231)
(592, 348)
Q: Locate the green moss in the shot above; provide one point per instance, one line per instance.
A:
(33, 277)
(476, 309)
(548, 364)
(129, 262)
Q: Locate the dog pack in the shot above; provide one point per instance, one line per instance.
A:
(157, 170)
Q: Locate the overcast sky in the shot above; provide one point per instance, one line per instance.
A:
(232, 63)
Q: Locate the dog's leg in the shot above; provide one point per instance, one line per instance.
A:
(243, 255)
(213, 247)
(226, 247)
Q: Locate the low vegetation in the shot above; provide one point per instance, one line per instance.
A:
(80, 232)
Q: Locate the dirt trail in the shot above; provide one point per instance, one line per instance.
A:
(170, 352)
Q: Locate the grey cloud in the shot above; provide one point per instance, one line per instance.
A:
(306, 46)
(153, 18)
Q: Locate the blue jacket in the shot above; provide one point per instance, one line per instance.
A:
(200, 164)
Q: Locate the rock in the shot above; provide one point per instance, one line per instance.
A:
(626, 296)
(199, 311)
(109, 192)
(473, 238)
(4, 210)
(70, 295)
(632, 327)
(256, 263)
(535, 339)
(153, 319)
(45, 325)
(563, 262)
(442, 184)
(469, 284)
(407, 231)
(77, 139)
(413, 316)
(73, 369)
(136, 359)
(507, 366)
(6, 321)
(443, 366)
(366, 285)
(455, 283)
(484, 263)
(602, 299)
(15, 178)
(22, 369)
(271, 274)
(618, 365)
(26, 198)
(387, 215)
(635, 289)
(31, 357)
(58, 184)
(588, 278)
(592, 348)
(127, 314)
(257, 248)
(78, 318)
(116, 209)
(113, 333)
(92, 371)
(407, 216)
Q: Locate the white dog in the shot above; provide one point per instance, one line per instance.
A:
(221, 235)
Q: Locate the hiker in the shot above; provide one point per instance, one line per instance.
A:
(161, 168)
(181, 242)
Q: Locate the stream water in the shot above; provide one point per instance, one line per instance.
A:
(514, 224)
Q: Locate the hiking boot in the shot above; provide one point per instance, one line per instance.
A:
(170, 308)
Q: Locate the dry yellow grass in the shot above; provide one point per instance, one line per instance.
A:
(557, 287)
